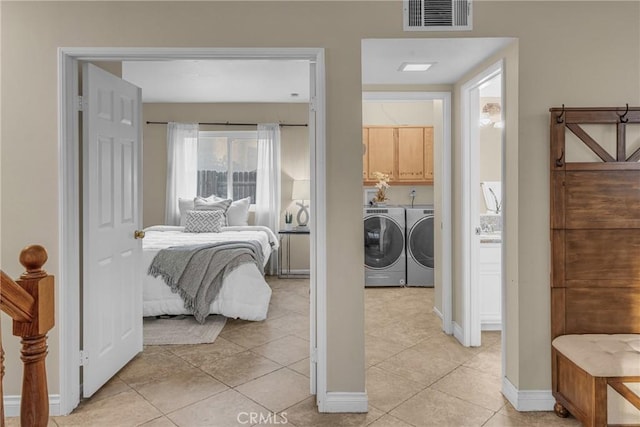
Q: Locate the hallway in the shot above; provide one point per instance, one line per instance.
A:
(416, 375)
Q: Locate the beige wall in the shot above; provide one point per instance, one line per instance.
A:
(490, 153)
(576, 53)
(438, 148)
(490, 146)
(490, 157)
(294, 152)
(113, 67)
(397, 113)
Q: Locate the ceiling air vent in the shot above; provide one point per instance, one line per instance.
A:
(437, 15)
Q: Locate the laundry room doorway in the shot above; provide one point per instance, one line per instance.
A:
(425, 334)
(428, 112)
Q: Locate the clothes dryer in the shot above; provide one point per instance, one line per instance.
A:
(420, 246)
(384, 246)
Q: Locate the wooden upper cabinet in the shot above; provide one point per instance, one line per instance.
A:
(365, 153)
(428, 154)
(411, 154)
(403, 152)
(381, 151)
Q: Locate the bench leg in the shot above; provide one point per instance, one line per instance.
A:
(560, 410)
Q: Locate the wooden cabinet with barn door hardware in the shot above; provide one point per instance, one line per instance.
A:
(405, 153)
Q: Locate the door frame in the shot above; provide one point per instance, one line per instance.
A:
(442, 177)
(69, 196)
(469, 332)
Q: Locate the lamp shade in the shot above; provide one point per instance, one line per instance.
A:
(301, 190)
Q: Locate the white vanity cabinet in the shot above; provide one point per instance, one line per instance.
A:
(490, 269)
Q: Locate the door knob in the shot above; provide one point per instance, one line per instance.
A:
(138, 234)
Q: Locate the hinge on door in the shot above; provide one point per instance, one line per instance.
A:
(313, 103)
(80, 103)
(84, 357)
(314, 355)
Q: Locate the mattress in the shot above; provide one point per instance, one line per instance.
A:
(244, 293)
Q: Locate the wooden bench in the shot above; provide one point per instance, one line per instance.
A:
(595, 268)
(598, 378)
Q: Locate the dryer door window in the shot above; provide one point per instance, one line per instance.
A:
(383, 242)
(421, 242)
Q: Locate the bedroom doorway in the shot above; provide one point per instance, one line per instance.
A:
(70, 183)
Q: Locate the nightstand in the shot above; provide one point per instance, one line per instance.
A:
(286, 235)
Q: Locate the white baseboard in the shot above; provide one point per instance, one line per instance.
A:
(12, 405)
(489, 325)
(437, 312)
(457, 332)
(303, 271)
(441, 316)
(346, 402)
(527, 400)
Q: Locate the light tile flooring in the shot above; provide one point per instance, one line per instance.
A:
(416, 375)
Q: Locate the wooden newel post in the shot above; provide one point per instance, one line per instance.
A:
(34, 405)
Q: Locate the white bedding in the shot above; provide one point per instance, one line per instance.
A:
(244, 293)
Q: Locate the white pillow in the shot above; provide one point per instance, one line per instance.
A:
(184, 205)
(202, 204)
(238, 213)
(209, 221)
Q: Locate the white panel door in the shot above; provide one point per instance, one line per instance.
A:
(112, 183)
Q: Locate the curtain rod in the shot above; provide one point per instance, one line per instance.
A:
(233, 124)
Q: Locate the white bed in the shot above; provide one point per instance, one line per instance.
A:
(244, 293)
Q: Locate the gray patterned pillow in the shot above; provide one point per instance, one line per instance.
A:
(204, 221)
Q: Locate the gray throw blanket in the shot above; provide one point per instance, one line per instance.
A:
(196, 272)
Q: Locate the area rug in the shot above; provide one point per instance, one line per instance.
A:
(163, 330)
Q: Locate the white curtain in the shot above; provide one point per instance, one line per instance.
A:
(268, 181)
(182, 167)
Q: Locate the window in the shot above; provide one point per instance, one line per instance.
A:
(227, 163)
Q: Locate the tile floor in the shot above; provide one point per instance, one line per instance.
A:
(416, 376)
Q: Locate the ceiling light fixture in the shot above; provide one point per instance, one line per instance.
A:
(415, 66)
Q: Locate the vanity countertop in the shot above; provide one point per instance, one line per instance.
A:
(491, 238)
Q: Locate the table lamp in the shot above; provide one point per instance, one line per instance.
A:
(301, 191)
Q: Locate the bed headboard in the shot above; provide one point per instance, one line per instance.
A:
(595, 225)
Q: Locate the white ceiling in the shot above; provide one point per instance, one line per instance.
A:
(276, 80)
(381, 59)
(220, 80)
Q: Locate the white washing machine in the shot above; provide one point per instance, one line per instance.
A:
(420, 250)
(384, 246)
